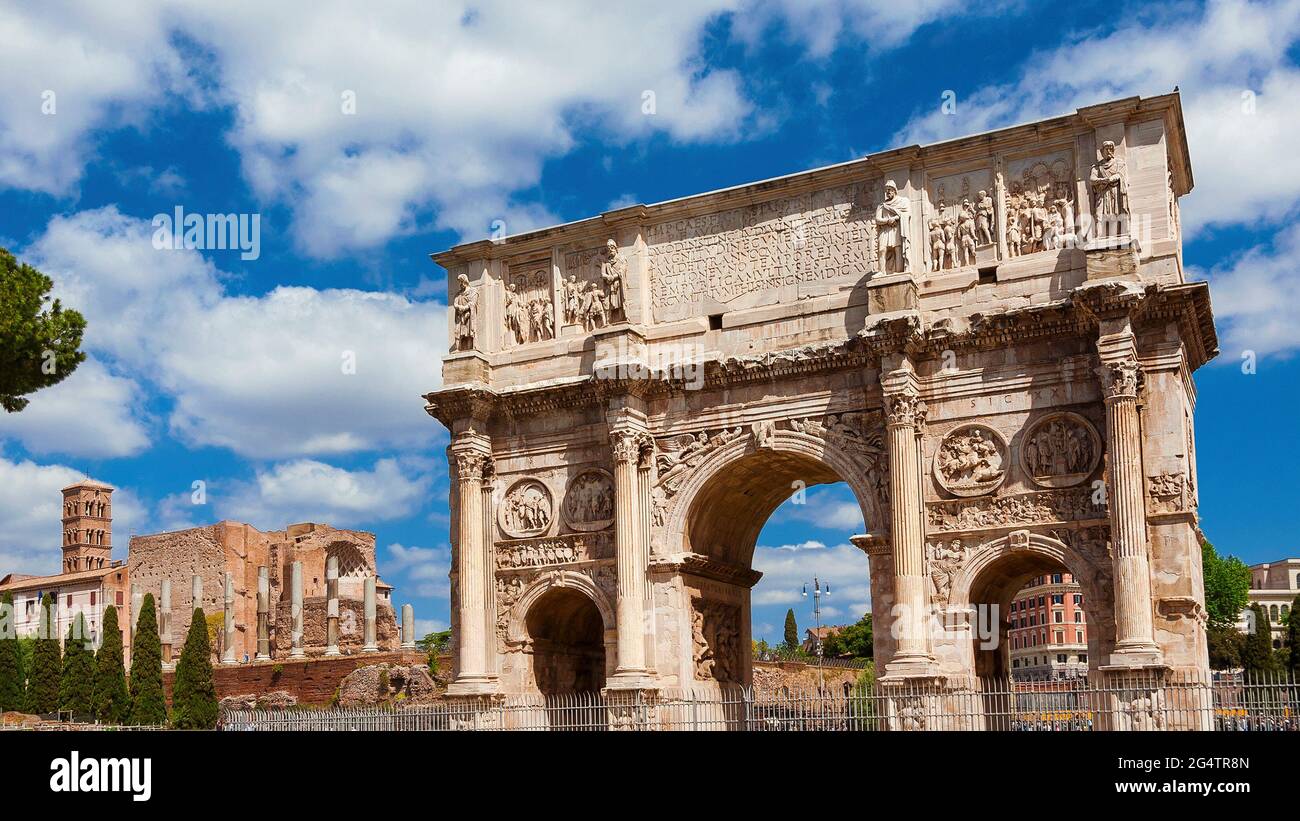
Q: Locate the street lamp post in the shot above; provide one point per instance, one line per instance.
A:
(819, 590)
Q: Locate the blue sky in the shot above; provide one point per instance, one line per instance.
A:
(206, 367)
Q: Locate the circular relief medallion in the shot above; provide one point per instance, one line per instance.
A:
(589, 501)
(526, 509)
(971, 460)
(1060, 450)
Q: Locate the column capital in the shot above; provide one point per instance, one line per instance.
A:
(1119, 378)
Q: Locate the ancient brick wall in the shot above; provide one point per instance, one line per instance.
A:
(312, 681)
(798, 677)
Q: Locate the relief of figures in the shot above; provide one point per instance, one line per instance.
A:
(464, 314)
(529, 312)
(1045, 507)
(1060, 450)
(593, 292)
(1040, 208)
(524, 553)
(970, 461)
(963, 223)
(678, 455)
(715, 633)
(945, 561)
(526, 509)
(589, 501)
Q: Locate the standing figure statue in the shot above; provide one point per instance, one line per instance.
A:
(514, 328)
(612, 271)
(893, 228)
(572, 301)
(984, 218)
(464, 314)
(1109, 191)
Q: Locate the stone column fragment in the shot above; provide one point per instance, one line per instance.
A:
(165, 621)
(228, 601)
(372, 641)
(332, 606)
(263, 614)
(295, 610)
(408, 626)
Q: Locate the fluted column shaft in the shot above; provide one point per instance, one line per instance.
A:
(907, 528)
(471, 598)
(630, 556)
(1134, 632)
(372, 613)
(228, 605)
(332, 606)
(295, 610)
(263, 613)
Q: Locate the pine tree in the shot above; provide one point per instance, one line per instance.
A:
(791, 631)
(112, 702)
(77, 686)
(194, 696)
(1257, 656)
(47, 664)
(148, 704)
(11, 659)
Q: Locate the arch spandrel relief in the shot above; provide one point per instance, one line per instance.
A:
(589, 500)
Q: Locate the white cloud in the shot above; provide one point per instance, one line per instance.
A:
(786, 568)
(264, 376)
(305, 490)
(1257, 298)
(104, 69)
(424, 627)
(456, 106)
(31, 508)
(425, 569)
(827, 509)
(92, 413)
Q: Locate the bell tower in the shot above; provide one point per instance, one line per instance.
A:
(87, 526)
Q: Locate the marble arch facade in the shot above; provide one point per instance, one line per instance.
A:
(1024, 395)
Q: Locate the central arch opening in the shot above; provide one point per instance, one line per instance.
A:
(771, 522)
(567, 635)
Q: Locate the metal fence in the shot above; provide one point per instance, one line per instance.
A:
(1231, 703)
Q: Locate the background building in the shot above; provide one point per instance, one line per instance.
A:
(1048, 630)
(89, 581)
(1274, 585)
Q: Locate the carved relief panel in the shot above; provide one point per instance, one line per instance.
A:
(961, 229)
(1040, 200)
(716, 635)
(529, 309)
(593, 287)
(726, 255)
(525, 510)
(589, 501)
(1060, 450)
(970, 461)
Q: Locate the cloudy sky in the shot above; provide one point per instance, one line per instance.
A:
(365, 136)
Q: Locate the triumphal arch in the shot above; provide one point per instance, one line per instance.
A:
(990, 340)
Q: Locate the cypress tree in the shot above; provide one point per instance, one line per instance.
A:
(47, 664)
(1293, 636)
(112, 702)
(77, 687)
(11, 659)
(791, 632)
(1257, 655)
(194, 696)
(148, 704)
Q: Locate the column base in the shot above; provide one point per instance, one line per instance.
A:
(1135, 659)
(229, 660)
(298, 653)
(910, 668)
(262, 657)
(406, 646)
(472, 687)
(332, 651)
(623, 680)
(374, 649)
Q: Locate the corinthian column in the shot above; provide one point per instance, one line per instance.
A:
(1134, 635)
(630, 559)
(472, 675)
(906, 415)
